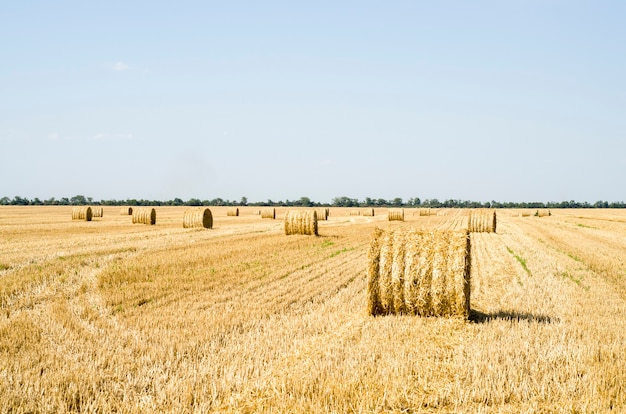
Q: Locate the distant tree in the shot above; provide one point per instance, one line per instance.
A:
(20, 201)
(194, 202)
(304, 202)
(5, 201)
(243, 201)
(397, 202)
(78, 200)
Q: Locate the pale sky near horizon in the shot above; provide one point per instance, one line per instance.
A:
(482, 100)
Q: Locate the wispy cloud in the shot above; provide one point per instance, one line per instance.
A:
(104, 135)
(120, 66)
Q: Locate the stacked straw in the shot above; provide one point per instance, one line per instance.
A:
(144, 216)
(415, 272)
(301, 222)
(82, 213)
(198, 217)
(482, 220)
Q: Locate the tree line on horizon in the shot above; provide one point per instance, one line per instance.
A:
(343, 201)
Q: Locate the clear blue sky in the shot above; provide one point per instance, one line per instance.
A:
(480, 100)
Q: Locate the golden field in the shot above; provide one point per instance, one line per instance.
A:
(109, 316)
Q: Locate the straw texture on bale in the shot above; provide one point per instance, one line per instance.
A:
(369, 212)
(355, 212)
(482, 220)
(301, 222)
(268, 213)
(322, 214)
(396, 214)
(198, 217)
(415, 272)
(144, 216)
(232, 212)
(542, 212)
(82, 213)
(424, 212)
(97, 212)
(126, 211)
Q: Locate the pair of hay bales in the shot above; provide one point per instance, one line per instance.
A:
(415, 272)
(395, 214)
(482, 220)
(144, 216)
(301, 222)
(198, 218)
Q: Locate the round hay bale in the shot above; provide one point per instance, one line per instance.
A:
(322, 214)
(425, 212)
(543, 212)
(198, 217)
(83, 213)
(416, 272)
(355, 212)
(233, 212)
(97, 212)
(144, 216)
(126, 211)
(369, 212)
(482, 220)
(301, 222)
(395, 214)
(268, 213)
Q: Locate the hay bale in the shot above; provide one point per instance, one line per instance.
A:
(355, 212)
(417, 272)
(198, 217)
(543, 212)
(301, 222)
(268, 213)
(83, 213)
(126, 211)
(322, 214)
(233, 212)
(144, 216)
(97, 212)
(482, 220)
(425, 212)
(395, 214)
(369, 212)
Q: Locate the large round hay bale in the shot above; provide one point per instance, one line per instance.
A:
(301, 222)
(144, 216)
(268, 213)
(543, 212)
(395, 214)
(482, 220)
(322, 214)
(97, 212)
(198, 217)
(369, 212)
(83, 213)
(126, 211)
(234, 212)
(416, 272)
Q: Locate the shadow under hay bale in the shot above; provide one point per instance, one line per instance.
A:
(144, 216)
(482, 220)
(82, 213)
(198, 218)
(415, 272)
(301, 222)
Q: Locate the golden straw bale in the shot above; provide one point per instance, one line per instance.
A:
(144, 216)
(482, 220)
(83, 213)
(416, 272)
(234, 212)
(268, 213)
(543, 212)
(301, 222)
(126, 211)
(395, 214)
(97, 212)
(198, 217)
(425, 212)
(369, 212)
(322, 214)
(355, 212)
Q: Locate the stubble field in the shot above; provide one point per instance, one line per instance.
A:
(109, 316)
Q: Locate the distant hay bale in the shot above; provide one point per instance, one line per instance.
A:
(369, 212)
(233, 212)
(355, 212)
(268, 213)
(126, 211)
(425, 212)
(524, 213)
(543, 212)
(322, 214)
(417, 272)
(482, 220)
(395, 214)
(257, 212)
(97, 212)
(83, 213)
(198, 217)
(301, 222)
(144, 216)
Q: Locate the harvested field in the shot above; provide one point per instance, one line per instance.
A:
(111, 317)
